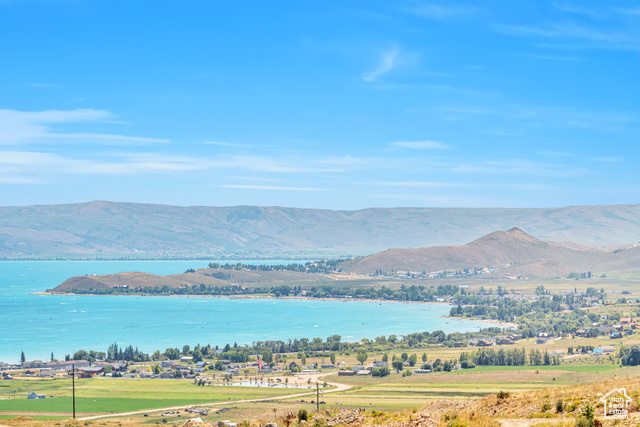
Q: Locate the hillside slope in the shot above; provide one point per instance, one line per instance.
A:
(526, 256)
(133, 228)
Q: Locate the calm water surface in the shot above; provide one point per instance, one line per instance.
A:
(39, 324)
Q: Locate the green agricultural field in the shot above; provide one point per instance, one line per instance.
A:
(98, 395)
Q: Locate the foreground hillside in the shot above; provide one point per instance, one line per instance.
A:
(115, 229)
(558, 406)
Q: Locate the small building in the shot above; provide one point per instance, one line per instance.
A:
(484, 343)
(120, 366)
(625, 320)
(541, 340)
(166, 364)
(608, 349)
(615, 335)
(422, 371)
(346, 373)
(186, 359)
(32, 364)
(34, 395)
(67, 364)
(363, 372)
(327, 366)
(504, 341)
(293, 365)
(91, 371)
(380, 364)
(47, 372)
(582, 332)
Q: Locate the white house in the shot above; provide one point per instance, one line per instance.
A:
(34, 395)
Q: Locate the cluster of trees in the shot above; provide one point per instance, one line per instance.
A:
(271, 351)
(630, 356)
(507, 357)
(404, 293)
(128, 354)
(322, 266)
(546, 314)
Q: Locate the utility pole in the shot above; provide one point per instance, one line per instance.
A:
(73, 384)
(317, 397)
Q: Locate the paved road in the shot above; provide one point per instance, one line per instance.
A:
(338, 387)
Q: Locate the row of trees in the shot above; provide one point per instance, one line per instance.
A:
(322, 266)
(507, 357)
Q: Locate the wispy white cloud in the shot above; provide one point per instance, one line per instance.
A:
(222, 143)
(386, 63)
(422, 145)
(632, 11)
(578, 10)
(557, 58)
(521, 167)
(571, 32)
(450, 185)
(439, 12)
(270, 187)
(27, 127)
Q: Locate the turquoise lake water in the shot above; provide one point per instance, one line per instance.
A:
(41, 324)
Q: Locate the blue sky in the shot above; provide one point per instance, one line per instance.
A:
(331, 104)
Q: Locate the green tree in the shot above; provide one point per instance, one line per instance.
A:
(385, 357)
(424, 357)
(397, 365)
(413, 359)
(156, 369)
(303, 359)
(267, 356)
(362, 357)
(22, 358)
(404, 357)
(333, 358)
(185, 349)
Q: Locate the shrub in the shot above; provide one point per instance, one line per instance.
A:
(582, 422)
(382, 371)
(303, 415)
(545, 407)
(503, 394)
(559, 406)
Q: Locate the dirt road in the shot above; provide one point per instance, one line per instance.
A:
(338, 387)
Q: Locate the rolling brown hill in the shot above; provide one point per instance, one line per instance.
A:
(214, 277)
(108, 228)
(526, 255)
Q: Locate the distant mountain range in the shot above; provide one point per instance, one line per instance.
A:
(511, 253)
(103, 228)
